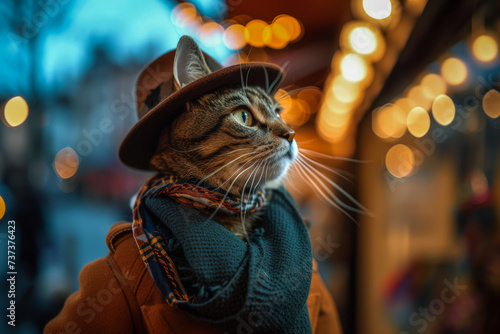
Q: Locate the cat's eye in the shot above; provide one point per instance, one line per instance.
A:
(243, 117)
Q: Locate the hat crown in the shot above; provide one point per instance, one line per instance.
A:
(171, 72)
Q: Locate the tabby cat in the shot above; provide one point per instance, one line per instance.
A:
(233, 138)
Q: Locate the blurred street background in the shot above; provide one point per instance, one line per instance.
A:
(398, 98)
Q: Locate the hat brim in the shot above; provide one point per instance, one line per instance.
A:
(139, 145)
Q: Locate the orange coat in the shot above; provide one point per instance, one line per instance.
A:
(117, 295)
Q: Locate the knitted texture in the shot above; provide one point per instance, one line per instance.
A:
(261, 286)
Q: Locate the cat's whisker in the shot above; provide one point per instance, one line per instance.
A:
(295, 91)
(267, 170)
(261, 173)
(315, 173)
(228, 190)
(243, 201)
(235, 150)
(293, 168)
(252, 190)
(332, 170)
(189, 151)
(318, 190)
(223, 166)
(229, 178)
(321, 155)
(278, 78)
(254, 172)
(340, 189)
(304, 142)
(248, 72)
(241, 72)
(267, 78)
(249, 52)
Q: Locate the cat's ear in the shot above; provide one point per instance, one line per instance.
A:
(189, 63)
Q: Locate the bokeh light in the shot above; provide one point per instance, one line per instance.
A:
(298, 109)
(280, 31)
(377, 9)
(296, 113)
(363, 38)
(433, 85)
(237, 32)
(66, 162)
(332, 126)
(491, 103)
(283, 98)
(485, 48)
(454, 71)
(390, 120)
(210, 34)
(334, 120)
(405, 104)
(188, 17)
(344, 90)
(312, 96)
(275, 36)
(291, 24)
(234, 37)
(376, 125)
(2, 207)
(15, 111)
(336, 105)
(254, 32)
(386, 14)
(420, 97)
(418, 122)
(353, 67)
(181, 12)
(400, 160)
(443, 109)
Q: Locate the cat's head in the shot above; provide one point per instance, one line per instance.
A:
(232, 137)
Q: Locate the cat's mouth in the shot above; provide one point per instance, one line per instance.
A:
(292, 150)
(285, 153)
(290, 154)
(281, 161)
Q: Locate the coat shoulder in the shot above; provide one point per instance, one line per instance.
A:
(116, 234)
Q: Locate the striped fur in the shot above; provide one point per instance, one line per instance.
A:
(206, 142)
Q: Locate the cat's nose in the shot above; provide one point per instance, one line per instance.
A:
(288, 135)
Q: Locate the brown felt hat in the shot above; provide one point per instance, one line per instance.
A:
(159, 102)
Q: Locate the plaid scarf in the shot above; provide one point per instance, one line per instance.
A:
(205, 198)
(205, 270)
